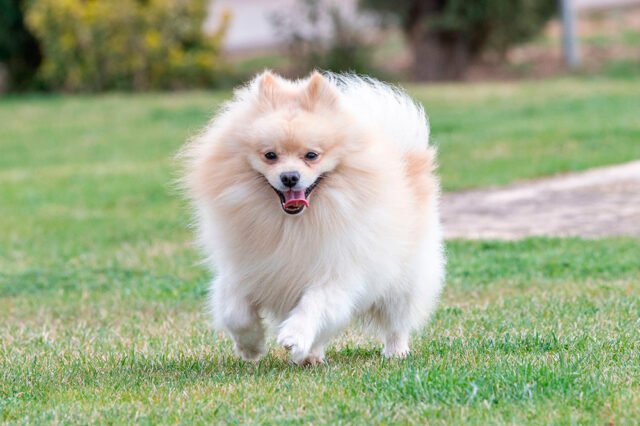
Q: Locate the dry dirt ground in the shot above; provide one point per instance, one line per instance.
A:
(596, 203)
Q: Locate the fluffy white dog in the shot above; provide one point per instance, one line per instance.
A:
(316, 203)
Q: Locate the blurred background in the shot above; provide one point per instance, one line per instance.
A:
(137, 45)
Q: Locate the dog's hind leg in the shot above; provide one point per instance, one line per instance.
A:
(392, 317)
(398, 314)
(408, 308)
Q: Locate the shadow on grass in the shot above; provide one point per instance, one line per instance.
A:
(442, 370)
(223, 366)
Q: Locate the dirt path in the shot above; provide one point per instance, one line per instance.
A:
(596, 203)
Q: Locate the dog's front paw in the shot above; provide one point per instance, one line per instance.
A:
(313, 360)
(296, 341)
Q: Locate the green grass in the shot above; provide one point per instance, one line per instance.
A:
(101, 293)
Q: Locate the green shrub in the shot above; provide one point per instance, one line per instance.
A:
(93, 45)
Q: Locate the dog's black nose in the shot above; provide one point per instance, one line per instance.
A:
(290, 179)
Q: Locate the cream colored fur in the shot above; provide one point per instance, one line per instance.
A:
(369, 245)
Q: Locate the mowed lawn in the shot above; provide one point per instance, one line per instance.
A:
(102, 294)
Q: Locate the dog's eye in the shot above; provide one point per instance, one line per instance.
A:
(271, 155)
(311, 155)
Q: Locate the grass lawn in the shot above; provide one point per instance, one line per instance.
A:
(101, 293)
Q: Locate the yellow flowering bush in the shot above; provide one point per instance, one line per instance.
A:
(93, 45)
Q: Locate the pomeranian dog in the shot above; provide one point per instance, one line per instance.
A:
(316, 204)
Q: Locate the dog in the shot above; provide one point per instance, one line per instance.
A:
(316, 203)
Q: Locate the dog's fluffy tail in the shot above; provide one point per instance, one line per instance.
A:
(388, 108)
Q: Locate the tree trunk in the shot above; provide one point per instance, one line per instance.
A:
(440, 56)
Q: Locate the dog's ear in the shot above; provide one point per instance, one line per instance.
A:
(319, 90)
(268, 87)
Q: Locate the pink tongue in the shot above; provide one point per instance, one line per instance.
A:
(295, 199)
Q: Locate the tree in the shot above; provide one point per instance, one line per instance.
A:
(446, 36)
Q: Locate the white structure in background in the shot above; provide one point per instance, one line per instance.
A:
(569, 39)
(252, 26)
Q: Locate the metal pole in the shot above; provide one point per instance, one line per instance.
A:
(569, 41)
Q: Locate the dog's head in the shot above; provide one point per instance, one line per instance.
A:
(278, 144)
(296, 137)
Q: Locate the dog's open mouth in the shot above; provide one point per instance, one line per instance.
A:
(295, 201)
